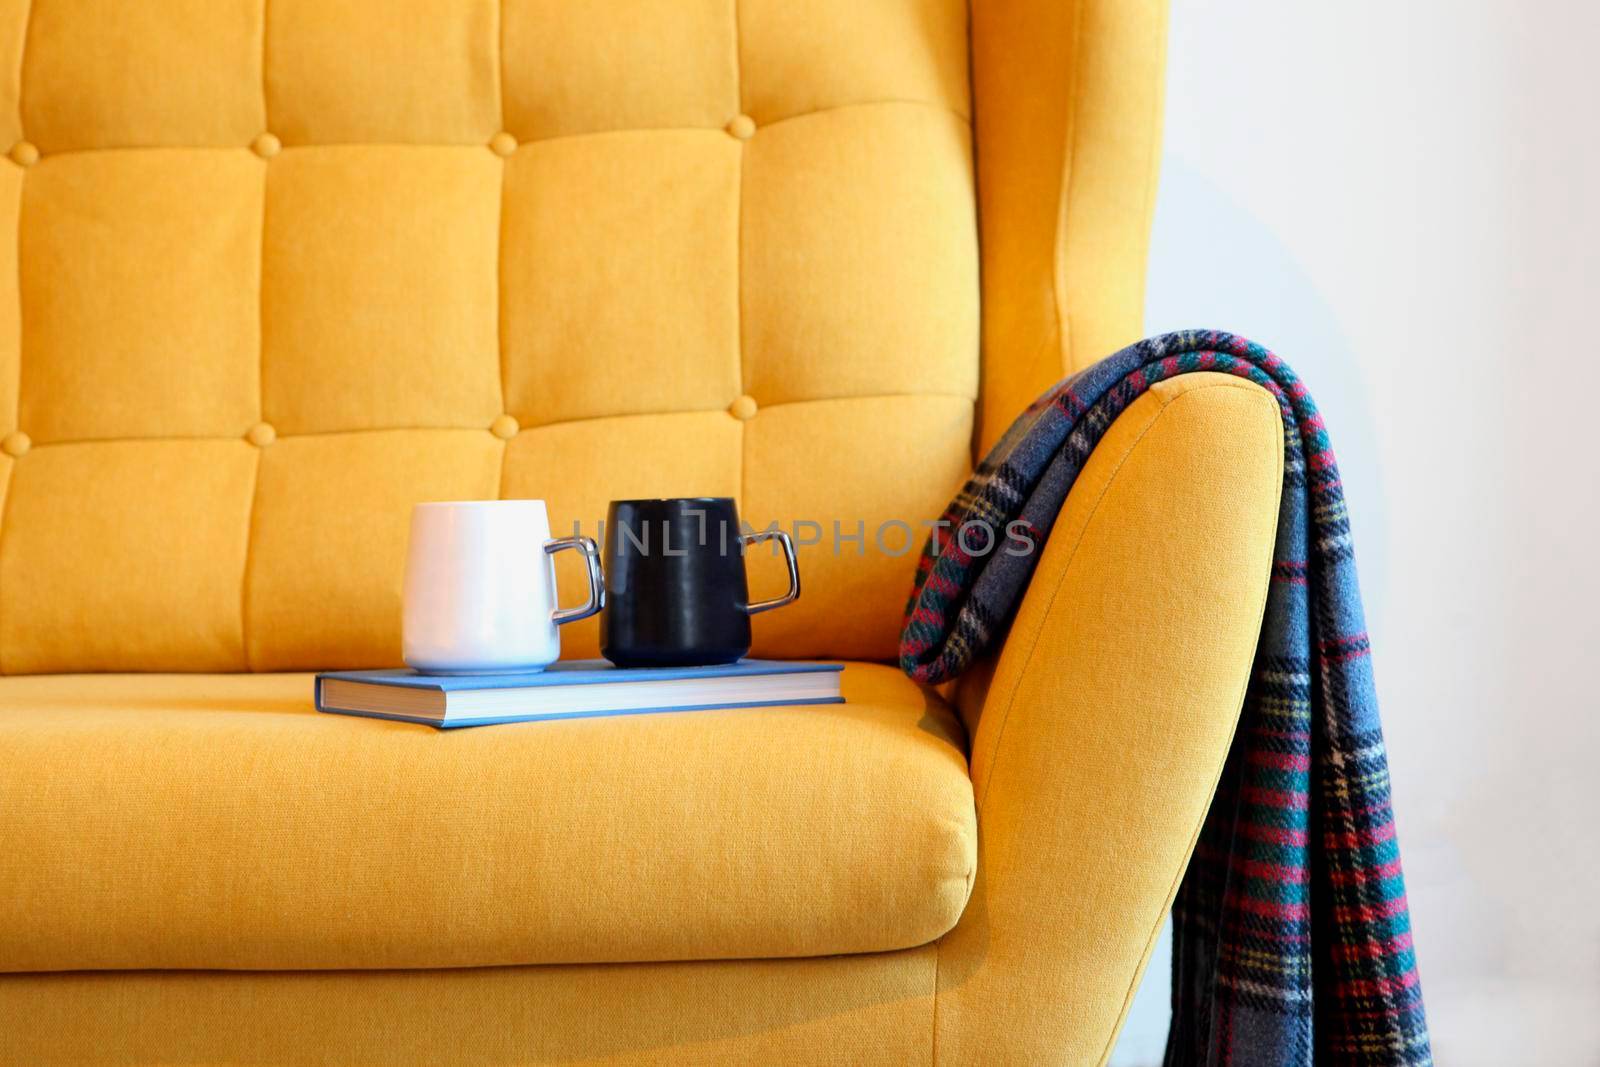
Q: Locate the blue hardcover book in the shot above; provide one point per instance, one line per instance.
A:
(574, 689)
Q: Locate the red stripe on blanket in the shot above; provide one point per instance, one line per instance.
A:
(1374, 949)
(1369, 874)
(1283, 761)
(1292, 799)
(1277, 909)
(1385, 909)
(1378, 987)
(1275, 835)
(1277, 872)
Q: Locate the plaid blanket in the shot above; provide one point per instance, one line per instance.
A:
(1292, 938)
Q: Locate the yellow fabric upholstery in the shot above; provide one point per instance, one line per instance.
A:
(1103, 731)
(1096, 752)
(1069, 137)
(270, 273)
(873, 1009)
(219, 822)
(283, 269)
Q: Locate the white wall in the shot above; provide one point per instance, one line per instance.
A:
(1401, 199)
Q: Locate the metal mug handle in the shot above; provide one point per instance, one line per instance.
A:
(794, 570)
(597, 588)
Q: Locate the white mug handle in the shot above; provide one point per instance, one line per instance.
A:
(597, 588)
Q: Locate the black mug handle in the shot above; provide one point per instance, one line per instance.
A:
(794, 570)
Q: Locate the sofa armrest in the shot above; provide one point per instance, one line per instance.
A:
(1104, 728)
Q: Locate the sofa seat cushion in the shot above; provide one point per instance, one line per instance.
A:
(218, 821)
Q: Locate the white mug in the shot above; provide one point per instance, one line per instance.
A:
(480, 588)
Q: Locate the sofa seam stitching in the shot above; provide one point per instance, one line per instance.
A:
(500, 216)
(738, 57)
(1152, 176)
(261, 413)
(889, 101)
(22, 191)
(502, 363)
(500, 65)
(934, 394)
(266, 114)
(22, 66)
(532, 142)
(738, 247)
(261, 361)
(249, 542)
(473, 427)
(1058, 258)
(11, 473)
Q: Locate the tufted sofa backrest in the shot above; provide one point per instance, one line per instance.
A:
(272, 272)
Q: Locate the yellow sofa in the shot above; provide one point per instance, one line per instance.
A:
(272, 272)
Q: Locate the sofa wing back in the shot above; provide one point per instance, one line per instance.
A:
(270, 273)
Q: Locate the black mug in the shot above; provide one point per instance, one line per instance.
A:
(676, 592)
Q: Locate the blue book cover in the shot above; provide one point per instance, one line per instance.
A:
(574, 689)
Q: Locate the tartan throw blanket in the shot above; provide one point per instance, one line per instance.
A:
(1291, 935)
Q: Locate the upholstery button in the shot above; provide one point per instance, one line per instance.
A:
(16, 444)
(505, 427)
(742, 127)
(266, 146)
(24, 154)
(744, 408)
(261, 434)
(502, 144)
